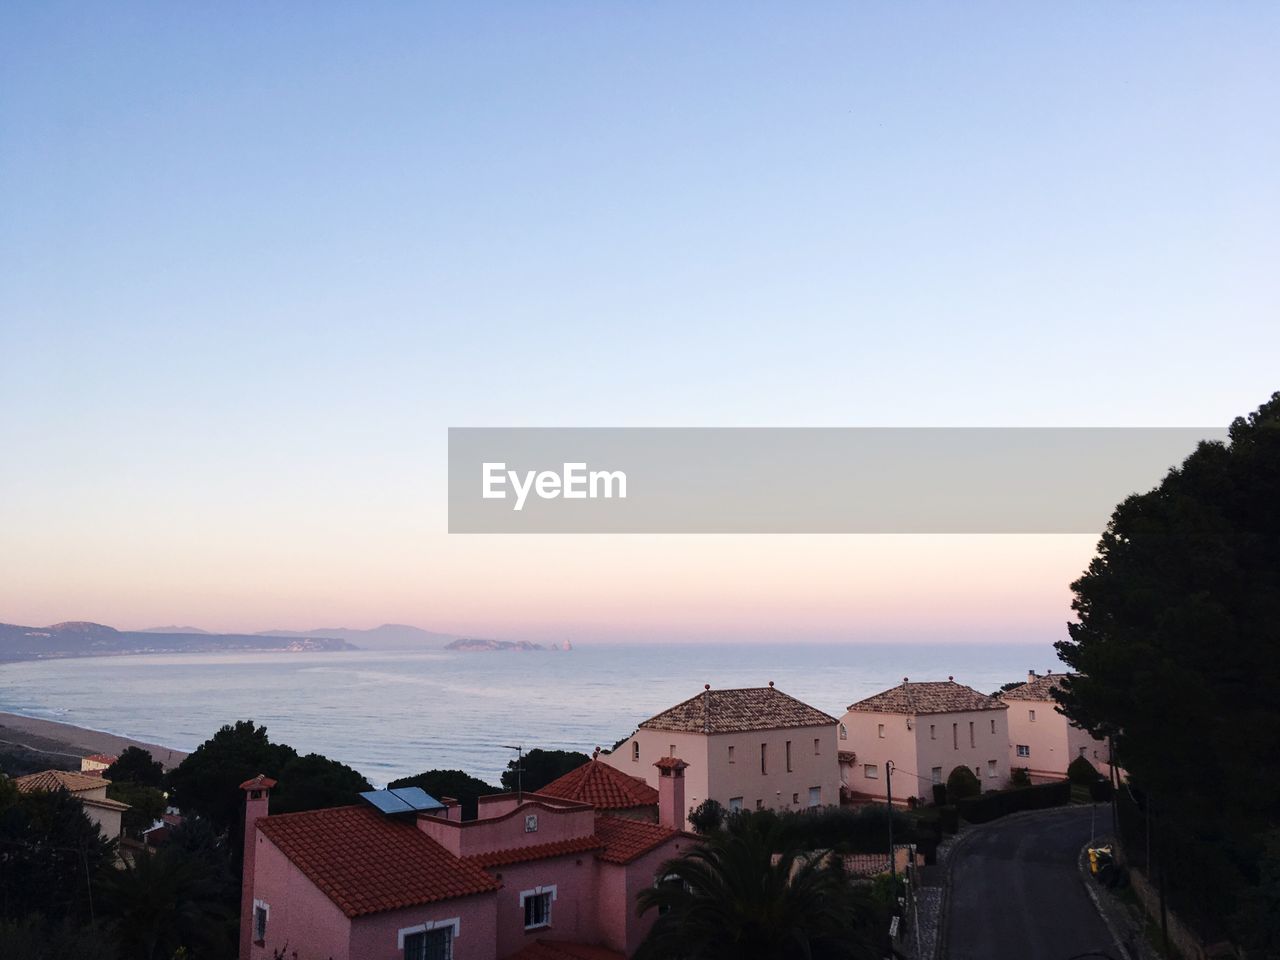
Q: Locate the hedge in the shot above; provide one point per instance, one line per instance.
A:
(1000, 803)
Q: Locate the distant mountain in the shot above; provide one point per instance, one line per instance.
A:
(174, 630)
(389, 636)
(85, 639)
(477, 645)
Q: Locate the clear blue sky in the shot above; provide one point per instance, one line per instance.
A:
(254, 259)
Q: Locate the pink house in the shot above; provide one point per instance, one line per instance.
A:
(533, 877)
(1042, 739)
(926, 730)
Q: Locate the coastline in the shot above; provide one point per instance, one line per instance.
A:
(69, 741)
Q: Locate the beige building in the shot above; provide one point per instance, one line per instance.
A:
(89, 790)
(1042, 739)
(926, 730)
(755, 748)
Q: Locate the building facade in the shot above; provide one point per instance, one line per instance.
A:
(91, 791)
(752, 748)
(925, 730)
(1042, 740)
(532, 877)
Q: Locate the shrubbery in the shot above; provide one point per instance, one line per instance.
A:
(1082, 772)
(1001, 803)
(961, 784)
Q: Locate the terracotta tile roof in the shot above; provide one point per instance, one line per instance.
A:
(733, 711)
(538, 851)
(48, 780)
(1041, 688)
(260, 782)
(670, 763)
(559, 950)
(102, 758)
(625, 840)
(602, 786)
(366, 862)
(105, 804)
(944, 696)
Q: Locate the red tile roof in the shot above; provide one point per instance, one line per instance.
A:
(102, 758)
(366, 862)
(602, 786)
(538, 851)
(1041, 688)
(944, 696)
(559, 950)
(50, 780)
(625, 840)
(260, 782)
(670, 763)
(734, 711)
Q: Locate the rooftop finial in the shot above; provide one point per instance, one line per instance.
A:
(595, 754)
(770, 684)
(906, 679)
(952, 679)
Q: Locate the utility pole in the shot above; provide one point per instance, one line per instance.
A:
(519, 769)
(893, 860)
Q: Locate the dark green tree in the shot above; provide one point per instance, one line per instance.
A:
(1082, 772)
(162, 902)
(207, 782)
(313, 782)
(962, 783)
(51, 854)
(707, 817)
(36, 938)
(146, 804)
(450, 783)
(541, 767)
(1178, 624)
(738, 897)
(136, 766)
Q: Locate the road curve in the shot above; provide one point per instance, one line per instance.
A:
(1016, 892)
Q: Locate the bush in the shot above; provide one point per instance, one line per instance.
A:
(961, 784)
(1100, 791)
(939, 794)
(1000, 803)
(1020, 777)
(707, 817)
(1081, 771)
(949, 819)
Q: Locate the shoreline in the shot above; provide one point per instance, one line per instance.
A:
(68, 740)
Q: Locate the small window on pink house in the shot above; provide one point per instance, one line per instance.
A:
(933, 731)
(788, 756)
(880, 730)
(1032, 715)
(993, 724)
(731, 760)
(817, 746)
(635, 750)
(973, 742)
(764, 758)
(671, 750)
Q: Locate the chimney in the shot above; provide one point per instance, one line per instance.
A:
(671, 810)
(706, 708)
(257, 798)
(1031, 676)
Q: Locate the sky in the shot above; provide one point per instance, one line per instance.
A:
(256, 259)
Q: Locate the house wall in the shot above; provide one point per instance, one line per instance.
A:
(1053, 740)
(711, 775)
(301, 917)
(622, 926)
(915, 752)
(509, 830)
(573, 911)
(108, 821)
(376, 936)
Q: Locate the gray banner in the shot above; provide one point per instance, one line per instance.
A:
(803, 480)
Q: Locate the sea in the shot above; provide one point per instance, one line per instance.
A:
(390, 714)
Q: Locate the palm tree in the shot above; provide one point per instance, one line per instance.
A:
(740, 897)
(163, 902)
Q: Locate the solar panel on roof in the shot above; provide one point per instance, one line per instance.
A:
(386, 801)
(417, 798)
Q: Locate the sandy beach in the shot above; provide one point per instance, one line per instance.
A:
(63, 739)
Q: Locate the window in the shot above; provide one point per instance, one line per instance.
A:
(735, 804)
(817, 746)
(731, 760)
(432, 940)
(871, 771)
(671, 750)
(671, 881)
(759, 804)
(933, 732)
(1024, 750)
(429, 945)
(991, 770)
(955, 736)
(635, 750)
(880, 730)
(844, 732)
(815, 796)
(972, 740)
(261, 912)
(993, 724)
(795, 799)
(764, 758)
(936, 774)
(536, 904)
(1032, 715)
(788, 756)
(1083, 749)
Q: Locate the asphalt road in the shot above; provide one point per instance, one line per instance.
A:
(1016, 892)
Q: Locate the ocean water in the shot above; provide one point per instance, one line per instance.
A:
(392, 714)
